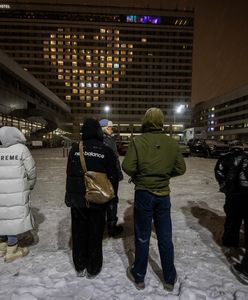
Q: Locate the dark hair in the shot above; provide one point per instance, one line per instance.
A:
(91, 129)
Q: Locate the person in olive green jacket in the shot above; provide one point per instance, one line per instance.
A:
(151, 160)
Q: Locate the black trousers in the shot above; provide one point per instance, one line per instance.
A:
(236, 209)
(112, 208)
(87, 234)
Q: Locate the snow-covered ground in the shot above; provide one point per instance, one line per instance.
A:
(197, 215)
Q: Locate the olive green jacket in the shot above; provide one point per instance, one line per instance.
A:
(152, 159)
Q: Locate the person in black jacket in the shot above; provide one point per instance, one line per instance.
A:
(112, 207)
(231, 172)
(88, 222)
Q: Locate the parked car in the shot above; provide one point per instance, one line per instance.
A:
(207, 147)
(184, 149)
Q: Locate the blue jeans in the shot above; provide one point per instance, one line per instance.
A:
(148, 206)
(10, 239)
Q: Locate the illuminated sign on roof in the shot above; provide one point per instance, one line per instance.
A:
(143, 19)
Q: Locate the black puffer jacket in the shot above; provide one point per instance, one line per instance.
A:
(98, 157)
(110, 142)
(231, 172)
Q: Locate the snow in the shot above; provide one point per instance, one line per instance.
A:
(197, 216)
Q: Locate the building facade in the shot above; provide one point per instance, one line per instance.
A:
(225, 117)
(126, 62)
(28, 105)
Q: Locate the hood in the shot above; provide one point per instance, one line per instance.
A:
(11, 136)
(91, 129)
(153, 120)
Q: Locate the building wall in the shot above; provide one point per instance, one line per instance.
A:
(90, 62)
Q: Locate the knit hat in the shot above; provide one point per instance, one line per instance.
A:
(105, 123)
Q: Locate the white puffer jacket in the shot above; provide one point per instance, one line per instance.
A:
(17, 178)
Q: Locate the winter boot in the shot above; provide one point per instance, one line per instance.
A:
(3, 248)
(14, 252)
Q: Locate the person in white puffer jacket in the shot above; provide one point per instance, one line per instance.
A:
(17, 179)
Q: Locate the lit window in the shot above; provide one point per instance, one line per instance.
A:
(75, 84)
(60, 62)
(88, 104)
(60, 77)
(82, 91)
(75, 91)
(109, 58)
(123, 45)
(130, 46)
(95, 98)
(67, 97)
(143, 40)
(88, 64)
(102, 30)
(67, 83)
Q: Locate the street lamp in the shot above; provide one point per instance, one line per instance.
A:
(178, 110)
(107, 110)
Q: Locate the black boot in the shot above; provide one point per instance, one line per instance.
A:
(115, 230)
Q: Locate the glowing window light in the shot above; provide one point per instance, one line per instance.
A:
(4, 6)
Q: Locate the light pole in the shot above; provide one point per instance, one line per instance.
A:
(107, 110)
(179, 109)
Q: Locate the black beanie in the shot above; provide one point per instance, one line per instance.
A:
(91, 129)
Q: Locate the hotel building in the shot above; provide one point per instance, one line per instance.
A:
(224, 117)
(95, 57)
